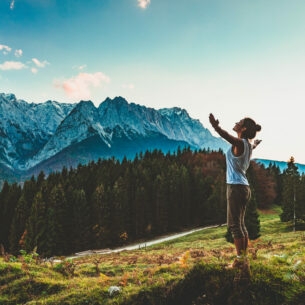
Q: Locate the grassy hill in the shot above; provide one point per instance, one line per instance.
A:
(191, 270)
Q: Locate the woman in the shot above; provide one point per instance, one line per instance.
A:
(238, 191)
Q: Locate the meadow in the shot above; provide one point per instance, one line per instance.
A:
(190, 270)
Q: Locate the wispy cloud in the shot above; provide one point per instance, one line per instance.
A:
(12, 5)
(18, 53)
(40, 64)
(79, 87)
(12, 65)
(5, 49)
(143, 3)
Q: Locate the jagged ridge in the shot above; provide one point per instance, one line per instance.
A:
(31, 134)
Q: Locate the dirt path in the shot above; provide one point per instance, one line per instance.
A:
(140, 245)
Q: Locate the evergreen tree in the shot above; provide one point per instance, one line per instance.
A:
(4, 226)
(55, 237)
(264, 184)
(21, 215)
(275, 172)
(9, 197)
(78, 215)
(121, 213)
(17, 229)
(161, 211)
(36, 227)
(101, 217)
(290, 186)
(252, 217)
(217, 203)
(301, 201)
(254, 175)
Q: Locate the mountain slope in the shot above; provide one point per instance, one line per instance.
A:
(25, 128)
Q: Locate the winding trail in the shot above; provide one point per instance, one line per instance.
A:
(142, 244)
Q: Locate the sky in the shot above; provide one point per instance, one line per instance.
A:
(232, 58)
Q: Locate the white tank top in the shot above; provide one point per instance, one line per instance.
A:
(237, 166)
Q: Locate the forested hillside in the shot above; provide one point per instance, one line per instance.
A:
(109, 203)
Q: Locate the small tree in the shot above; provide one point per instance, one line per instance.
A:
(290, 186)
(252, 218)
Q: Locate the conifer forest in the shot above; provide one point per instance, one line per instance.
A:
(110, 203)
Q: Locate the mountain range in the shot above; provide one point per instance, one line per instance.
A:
(47, 136)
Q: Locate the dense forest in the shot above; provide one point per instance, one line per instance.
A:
(109, 203)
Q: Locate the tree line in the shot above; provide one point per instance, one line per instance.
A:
(109, 203)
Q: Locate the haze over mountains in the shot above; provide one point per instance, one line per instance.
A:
(50, 135)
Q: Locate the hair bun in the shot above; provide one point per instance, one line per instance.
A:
(258, 127)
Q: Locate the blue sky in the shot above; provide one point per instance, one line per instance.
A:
(234, 58)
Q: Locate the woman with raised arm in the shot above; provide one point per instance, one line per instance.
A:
(238, 191)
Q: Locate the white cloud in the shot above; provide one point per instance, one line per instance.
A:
(18, 53)
(79, 87)
(12, 5)
(18, 65)
(12, 65)
(5, 49)
(39, 64)
(143, 3)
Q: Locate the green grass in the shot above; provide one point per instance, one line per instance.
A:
(191, 270)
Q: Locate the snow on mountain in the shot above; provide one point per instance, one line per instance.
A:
(25, 128)
(130, 117)
(49, 115)
(31, 134)
(175, 123)
(185, 128)
(81, 123)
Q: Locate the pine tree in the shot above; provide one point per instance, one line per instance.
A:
(36, 227)
(55, 238)
(21, 215)
(79, 217)
(121, 211)
(101, 209)
(252, 221)
(216, 203)
(18, 226)
(301, 201)
(4, 227)
(161, 210)
(9, 197)
(290, 186)
(275, 172)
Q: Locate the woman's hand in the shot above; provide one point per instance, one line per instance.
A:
(256, 142)
(213, 121)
